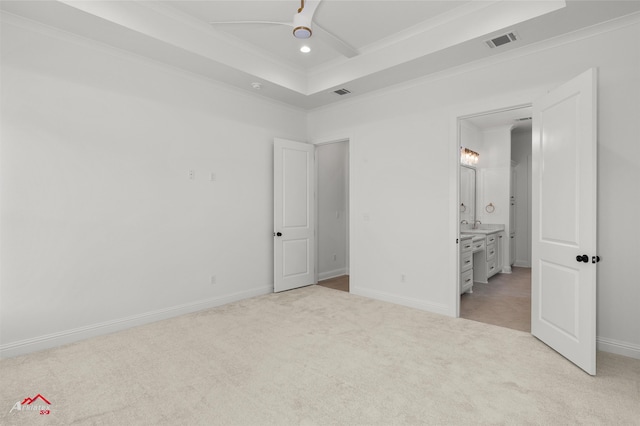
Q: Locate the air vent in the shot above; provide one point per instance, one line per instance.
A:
(523, 119)
(503, 39)
(341, 92)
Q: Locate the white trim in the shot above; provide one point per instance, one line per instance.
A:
(436, 308)
(73, 335)
(631, 350)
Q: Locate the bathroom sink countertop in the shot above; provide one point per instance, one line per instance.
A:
(483, 229)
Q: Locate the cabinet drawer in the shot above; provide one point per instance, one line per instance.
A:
(466, 281)
(491, 252)
(491, 268)
(478, 245)
(491, 239)
(466, 245)
(466, 261)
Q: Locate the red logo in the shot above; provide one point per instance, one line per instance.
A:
(28, 401)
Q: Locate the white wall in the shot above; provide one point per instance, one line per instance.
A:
(332, 193)
(521, 154)
(404, 156)
(101, 226)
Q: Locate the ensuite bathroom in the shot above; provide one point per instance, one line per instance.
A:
(495, 218)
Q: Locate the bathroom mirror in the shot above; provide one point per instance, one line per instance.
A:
(467, 194)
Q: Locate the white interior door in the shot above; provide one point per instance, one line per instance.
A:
(294, 207)
(563, 275)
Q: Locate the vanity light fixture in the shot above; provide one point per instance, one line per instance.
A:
(468, 156)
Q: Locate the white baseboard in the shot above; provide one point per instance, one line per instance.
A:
(435, 308)
(332, 274)
(617, 347)
(73, 335)
(522, 264)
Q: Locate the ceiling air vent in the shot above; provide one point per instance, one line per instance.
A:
(503, 39)
(341, 92)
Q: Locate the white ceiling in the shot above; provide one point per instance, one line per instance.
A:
(395, 41)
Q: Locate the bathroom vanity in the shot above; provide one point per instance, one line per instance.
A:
(466, 264)
(486, 251)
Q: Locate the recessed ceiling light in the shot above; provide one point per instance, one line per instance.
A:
(305, 49)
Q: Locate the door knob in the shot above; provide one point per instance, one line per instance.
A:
(584, 258)
(279, 234)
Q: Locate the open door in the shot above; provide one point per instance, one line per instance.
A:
(563, 275)
(294, 207)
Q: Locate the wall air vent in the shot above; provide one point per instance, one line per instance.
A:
(523, 119)
(503, 39)
(341, 92)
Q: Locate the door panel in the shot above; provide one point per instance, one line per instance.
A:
(558, 201)
(558, 294)
(563, 287)
(294, 207)
(295, 254)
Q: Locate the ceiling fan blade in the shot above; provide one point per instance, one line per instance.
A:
(309, 8)
(288, 24)
(335, 42)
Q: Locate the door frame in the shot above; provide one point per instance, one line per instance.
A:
(317, 144)
(522, 100)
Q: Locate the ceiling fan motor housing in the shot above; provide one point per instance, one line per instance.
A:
(302, 25)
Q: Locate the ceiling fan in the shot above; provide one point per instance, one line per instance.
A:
(304, 27)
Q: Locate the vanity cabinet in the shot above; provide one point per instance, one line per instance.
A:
(487, 254)
(466, 265)
(492, 254)
(512, 248)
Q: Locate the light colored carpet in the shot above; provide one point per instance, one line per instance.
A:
(316, 356)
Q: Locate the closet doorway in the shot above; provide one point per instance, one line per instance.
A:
(502, 200)
(332, 177)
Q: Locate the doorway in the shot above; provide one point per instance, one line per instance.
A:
(332, 162)
(501, 199)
